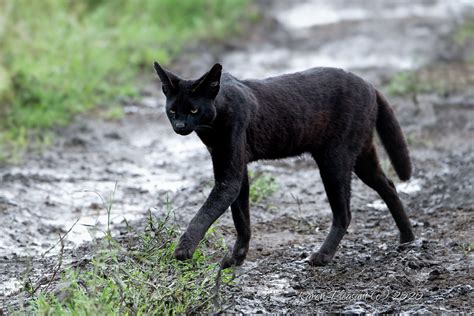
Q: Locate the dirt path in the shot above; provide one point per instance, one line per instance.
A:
(46, 194)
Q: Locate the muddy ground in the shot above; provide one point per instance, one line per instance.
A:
(49, 191)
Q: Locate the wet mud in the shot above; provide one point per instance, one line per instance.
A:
(140, 164)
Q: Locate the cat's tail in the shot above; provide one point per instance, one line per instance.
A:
(392, 138)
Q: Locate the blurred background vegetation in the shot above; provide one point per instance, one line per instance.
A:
(62, 57)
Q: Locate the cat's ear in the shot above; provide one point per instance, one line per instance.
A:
(209, 84)
(169, 81)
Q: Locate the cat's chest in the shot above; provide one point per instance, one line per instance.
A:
(208, 139)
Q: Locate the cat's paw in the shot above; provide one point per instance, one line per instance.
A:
(238, 255)
(231, 261)
(183, 253)
(318, 259)
(185, 249)
(407, 238)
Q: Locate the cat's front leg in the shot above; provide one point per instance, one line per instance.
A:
(222, 195)
(229, 169)
(241, 217)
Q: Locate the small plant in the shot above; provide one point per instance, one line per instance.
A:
(464, 36)
(465, 31)
(137, 274)
(403, 83)
(114, 113)
(468, 247)
(408, 83)
(261, 186)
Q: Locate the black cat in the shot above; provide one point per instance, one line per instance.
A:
(326, 112)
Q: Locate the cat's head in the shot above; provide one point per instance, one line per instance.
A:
(190, 103)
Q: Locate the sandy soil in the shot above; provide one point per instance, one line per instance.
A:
(46, 194)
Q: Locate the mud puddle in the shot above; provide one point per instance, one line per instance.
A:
(142, 164)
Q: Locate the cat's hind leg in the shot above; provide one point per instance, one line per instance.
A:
(368, 169)
(335, 168)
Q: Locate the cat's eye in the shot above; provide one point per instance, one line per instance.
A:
(172, 111)
(194, 111)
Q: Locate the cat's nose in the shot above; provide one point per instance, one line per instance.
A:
(180, 125)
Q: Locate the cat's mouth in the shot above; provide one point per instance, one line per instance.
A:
(183, 132)
(203, 127)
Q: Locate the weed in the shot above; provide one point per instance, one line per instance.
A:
(464, 36)
(402, 83)
(467, 247)
(465, 31)
(261, 186)
(113, 114)
(414, 82)
(407, 83)
(137, 274)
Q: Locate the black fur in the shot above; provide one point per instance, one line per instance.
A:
(326, 112)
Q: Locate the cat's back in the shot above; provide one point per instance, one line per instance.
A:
(319, 87)
(296, 112)
(318, 75)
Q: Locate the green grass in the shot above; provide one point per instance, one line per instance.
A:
(59, 58)
(468, 247)
(407, 83)
(261, 186)
(138, 275)
(465, 31)
(113, 113)
(411, 83)
(464, 36)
